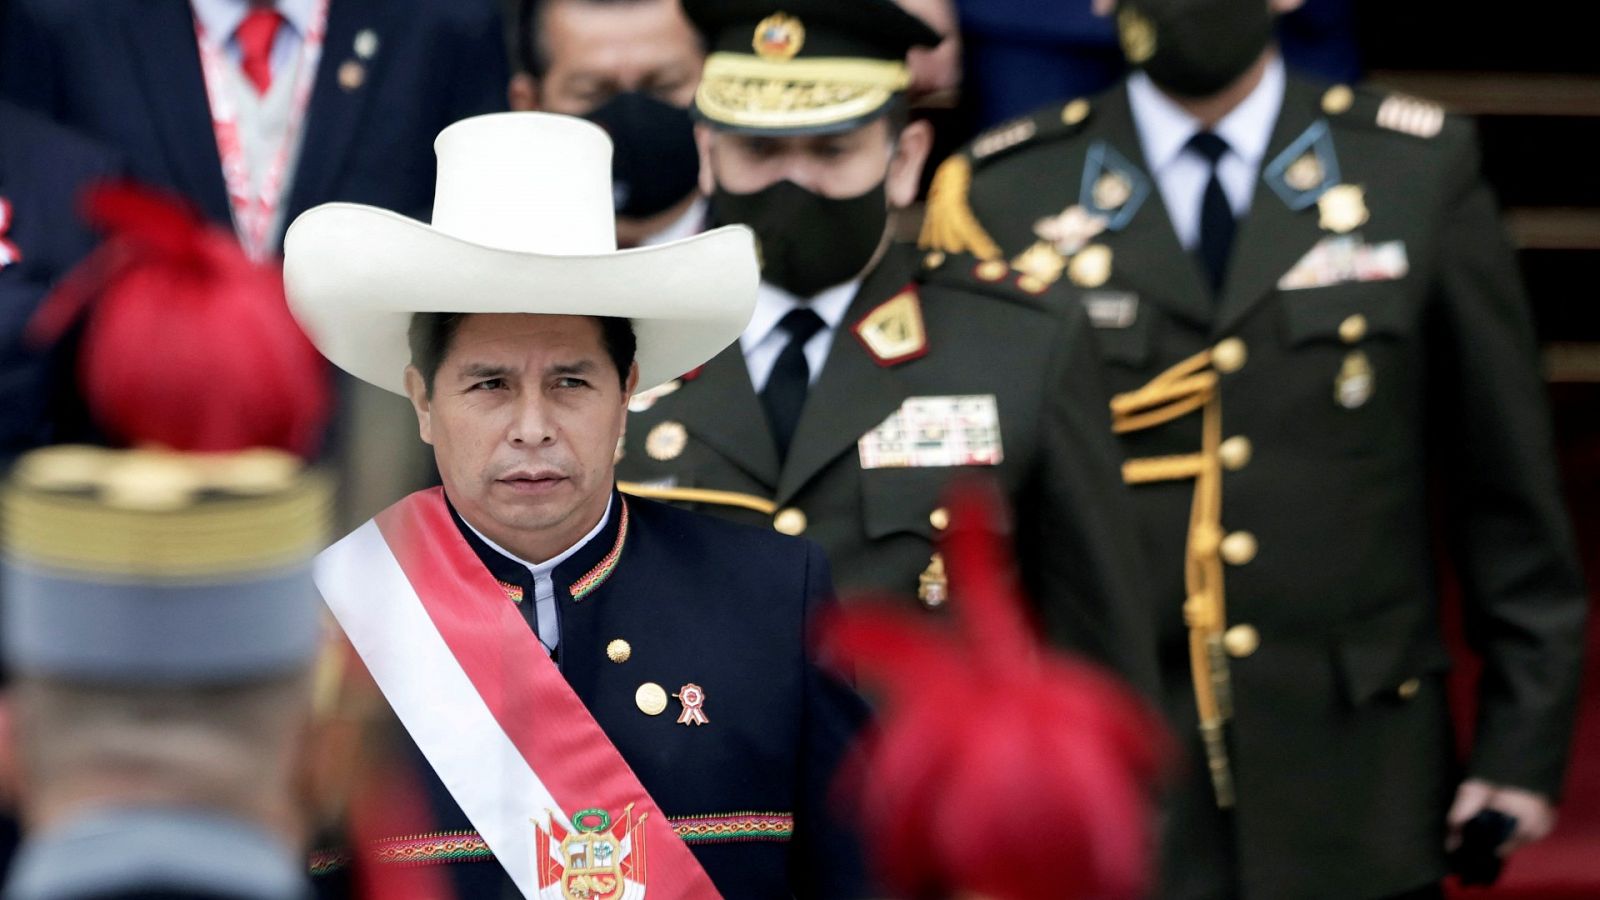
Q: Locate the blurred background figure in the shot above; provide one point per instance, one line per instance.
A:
(630, 66)
(998, 769)
(1022, 54)
(258, 110)
(1304, 285)
(159, 624)
(44, 169)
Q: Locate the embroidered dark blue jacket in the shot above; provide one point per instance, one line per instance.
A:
(727, 607)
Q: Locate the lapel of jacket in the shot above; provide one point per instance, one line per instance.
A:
(727, 415)
(160, 38)
(1148, 257)
(1273, 236)
(853, 394)
(334, 114)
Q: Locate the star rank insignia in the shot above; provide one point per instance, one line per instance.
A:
(893, 332)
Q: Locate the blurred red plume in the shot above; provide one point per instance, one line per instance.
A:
(187, 343)
(997, 767)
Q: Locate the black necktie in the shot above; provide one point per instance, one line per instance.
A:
(785, 392)
(1216, 215)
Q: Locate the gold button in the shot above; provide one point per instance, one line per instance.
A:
(1075, 112)
(1239, 548)
(1408, 688)
(1229, 355)
(1337, 99)
(618, 651)
(1241, 641)
(790, 521)
(1353, 329)
(933, 260)
(991, 270)
(939, 519)
(651, 698)
(1235, 452)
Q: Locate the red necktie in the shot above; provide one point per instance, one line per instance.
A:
(255, 35)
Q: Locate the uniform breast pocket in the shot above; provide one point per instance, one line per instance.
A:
(1352, 368)
(1121, 330)
(905, 502)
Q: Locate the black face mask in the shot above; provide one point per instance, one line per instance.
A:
(654, 164)
(1194, 48)
(807, 242)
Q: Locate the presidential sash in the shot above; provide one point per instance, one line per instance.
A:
(520, 754)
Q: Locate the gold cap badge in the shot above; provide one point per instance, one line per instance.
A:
(666, 441)
(778, 36)
(1138, 36)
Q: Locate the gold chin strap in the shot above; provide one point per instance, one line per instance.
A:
(1182, 389)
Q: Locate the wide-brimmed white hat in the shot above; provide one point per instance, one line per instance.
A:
(522, 223)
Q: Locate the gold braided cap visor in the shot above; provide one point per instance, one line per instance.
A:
(745, 91)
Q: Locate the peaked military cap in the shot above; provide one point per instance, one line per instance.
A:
(158, 567)
(802, 66)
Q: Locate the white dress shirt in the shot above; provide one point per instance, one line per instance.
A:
(1164, 132)
(763, 340)
(544, 585)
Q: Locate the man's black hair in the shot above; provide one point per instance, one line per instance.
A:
(431, 334)
(532, 55)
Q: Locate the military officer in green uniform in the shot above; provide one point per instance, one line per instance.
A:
(1321, 359)
(872, 375)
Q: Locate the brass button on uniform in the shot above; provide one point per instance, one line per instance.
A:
(1241, 641)
(1337, 100)
(1239, 548)
(618, 651)
(651, 698)
(1353, 329)
(790, 521)
(1075, 112)
(933, 260)
(1229, 355)
(1408, 688)
(939, 519)
(1235, 452)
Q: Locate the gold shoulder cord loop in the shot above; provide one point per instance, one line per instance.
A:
(949, 223)
(1182, 389)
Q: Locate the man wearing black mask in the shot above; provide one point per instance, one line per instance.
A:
(871, 375)
(630, 66)
(1325, 367)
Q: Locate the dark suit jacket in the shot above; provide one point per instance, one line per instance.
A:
(128, 73)
(1340, 741)
(43, 171)
(728, 608)
(985, 336)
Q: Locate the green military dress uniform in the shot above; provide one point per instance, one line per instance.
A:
(930, 329)
(1368, 362)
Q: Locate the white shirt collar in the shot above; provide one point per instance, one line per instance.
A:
(687, 225)
(773, 303)
(221, 18)
(549, 565)
(1165, 127)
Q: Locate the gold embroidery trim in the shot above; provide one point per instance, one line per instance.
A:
(699, 495)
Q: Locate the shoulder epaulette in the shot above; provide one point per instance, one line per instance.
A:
(991, 277)
(1392, 111)
(948, 222)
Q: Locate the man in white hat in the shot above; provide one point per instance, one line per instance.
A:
(610, 694)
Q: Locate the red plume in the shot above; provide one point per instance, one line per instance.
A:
(187, 343)
(997, 767)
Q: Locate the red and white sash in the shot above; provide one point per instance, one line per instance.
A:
(519, 752)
